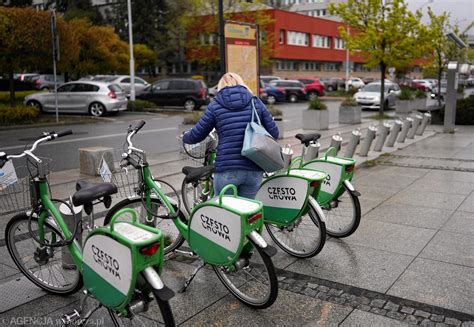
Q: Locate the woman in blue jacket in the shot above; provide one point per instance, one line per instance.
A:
(229, 114)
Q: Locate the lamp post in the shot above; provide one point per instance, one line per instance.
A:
(130, 44)
(347, 63)
(221, 37)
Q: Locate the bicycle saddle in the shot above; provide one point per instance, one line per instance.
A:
(88, 192)
(306, 138)
(193, 174)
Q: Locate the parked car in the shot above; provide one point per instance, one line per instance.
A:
(95, 98)
(46, 82)
(274, 94)
(470, 81)
(124, 82)
(368, 97)
(355, 83)
(442, 89)
(314, 88)
(268, 79)
(25, 77)
(333, 83)
(368, 80)
(294, 90)
(427, 85)
(189, 93)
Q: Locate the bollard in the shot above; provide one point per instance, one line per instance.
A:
(311, 152)
(68, 216)
(384, 130)
(287, 154)
(397, 126)
(336, 141)
(353, 142)
(369, 137)
(414, 126)
(405, 127)
(426, 120)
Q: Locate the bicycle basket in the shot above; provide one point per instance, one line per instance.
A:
(201, 149)
(15, 197)
(126, 180)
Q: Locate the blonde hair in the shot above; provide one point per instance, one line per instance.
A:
(231, 79)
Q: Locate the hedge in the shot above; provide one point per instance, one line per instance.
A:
(140, 105)
(464, 112)
(18, 115)
(19, 96)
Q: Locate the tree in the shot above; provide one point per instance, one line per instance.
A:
(442, 48)
(25, 40)
(144, 56)
(386, 33)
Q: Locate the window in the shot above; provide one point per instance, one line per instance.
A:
(161, 86)
(139, 81)
(286, 65)
(320, 41)
(339, 43)
(282, 36)
(297, 38)
(85, 88)
(66, 88)
(311, 65)
(115, 88)
(126, 80)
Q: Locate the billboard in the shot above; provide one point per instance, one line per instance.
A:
(242, 53)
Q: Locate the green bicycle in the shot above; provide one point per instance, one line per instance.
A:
(223, 232)
(293, 218)
(337, 197)
(119, 264)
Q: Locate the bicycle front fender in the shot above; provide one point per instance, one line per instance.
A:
(152, 277)
(317, 207)
(259, 241)
(351, 188)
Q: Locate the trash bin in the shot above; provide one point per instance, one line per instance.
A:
(70, 219)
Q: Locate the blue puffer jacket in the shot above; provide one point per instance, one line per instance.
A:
(229, 115)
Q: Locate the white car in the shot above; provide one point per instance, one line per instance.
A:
(368, 97)
(427, 84)
(355, 83)
(124, 82)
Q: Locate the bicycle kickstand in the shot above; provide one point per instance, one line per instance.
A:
(191, 277)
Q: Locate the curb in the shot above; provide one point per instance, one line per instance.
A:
(79, 122)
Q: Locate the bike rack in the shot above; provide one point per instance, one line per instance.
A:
(71, 219)
(384, 130)
(396, 127)
(416, 122)
(405, 127)
(369, 137)
(311, 151)
(353, 142)
(336, 141)
(426, 120)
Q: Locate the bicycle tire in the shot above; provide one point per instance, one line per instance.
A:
(189, 198)
(39, 279)
(137, 203)
(331, 225)
(303, 251)
(272, 280)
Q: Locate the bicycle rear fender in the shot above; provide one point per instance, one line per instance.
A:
(218, 232)
(112, 261)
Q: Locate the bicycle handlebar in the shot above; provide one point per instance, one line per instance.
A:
(139, 126)
(49, 136)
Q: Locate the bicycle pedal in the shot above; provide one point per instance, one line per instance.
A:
(72, 317)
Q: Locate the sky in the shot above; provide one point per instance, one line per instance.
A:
(461, 11)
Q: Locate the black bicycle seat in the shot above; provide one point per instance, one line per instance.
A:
(306, 138)
(88, 192)
(193, 174)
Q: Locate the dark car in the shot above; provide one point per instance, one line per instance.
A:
(331, 84)
(294, 90)
(314, 88)
(189, 93)
(274, 94)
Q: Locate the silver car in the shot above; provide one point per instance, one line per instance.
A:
(368, 97)
(95, 98)
(124, 82)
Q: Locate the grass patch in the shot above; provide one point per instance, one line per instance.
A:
(140, 105)
(341, 93)
(382, 117)
(19, 96)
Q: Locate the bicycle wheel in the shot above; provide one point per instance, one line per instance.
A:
(187, 194)
(342, 215)
(255, 283)
(303, 238)
(173, 238)
(43, 267)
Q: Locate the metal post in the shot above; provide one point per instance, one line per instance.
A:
(222, 37)
(130, 45)
(70, 219)
(336, 141)
(426, 120)
(369, 137)
(347, 64)
(451, 97)
(397, 126)
(312, 151)
(353, 142)
(383, 130)
(414, 126)
(405, 127)
(55, 38)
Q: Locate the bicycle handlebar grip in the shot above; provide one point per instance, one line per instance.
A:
(3, 161)
(64, 133)
(139, 125)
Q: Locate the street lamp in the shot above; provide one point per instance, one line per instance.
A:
(130, 44)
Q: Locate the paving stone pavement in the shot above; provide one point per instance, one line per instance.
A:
(410, 262)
